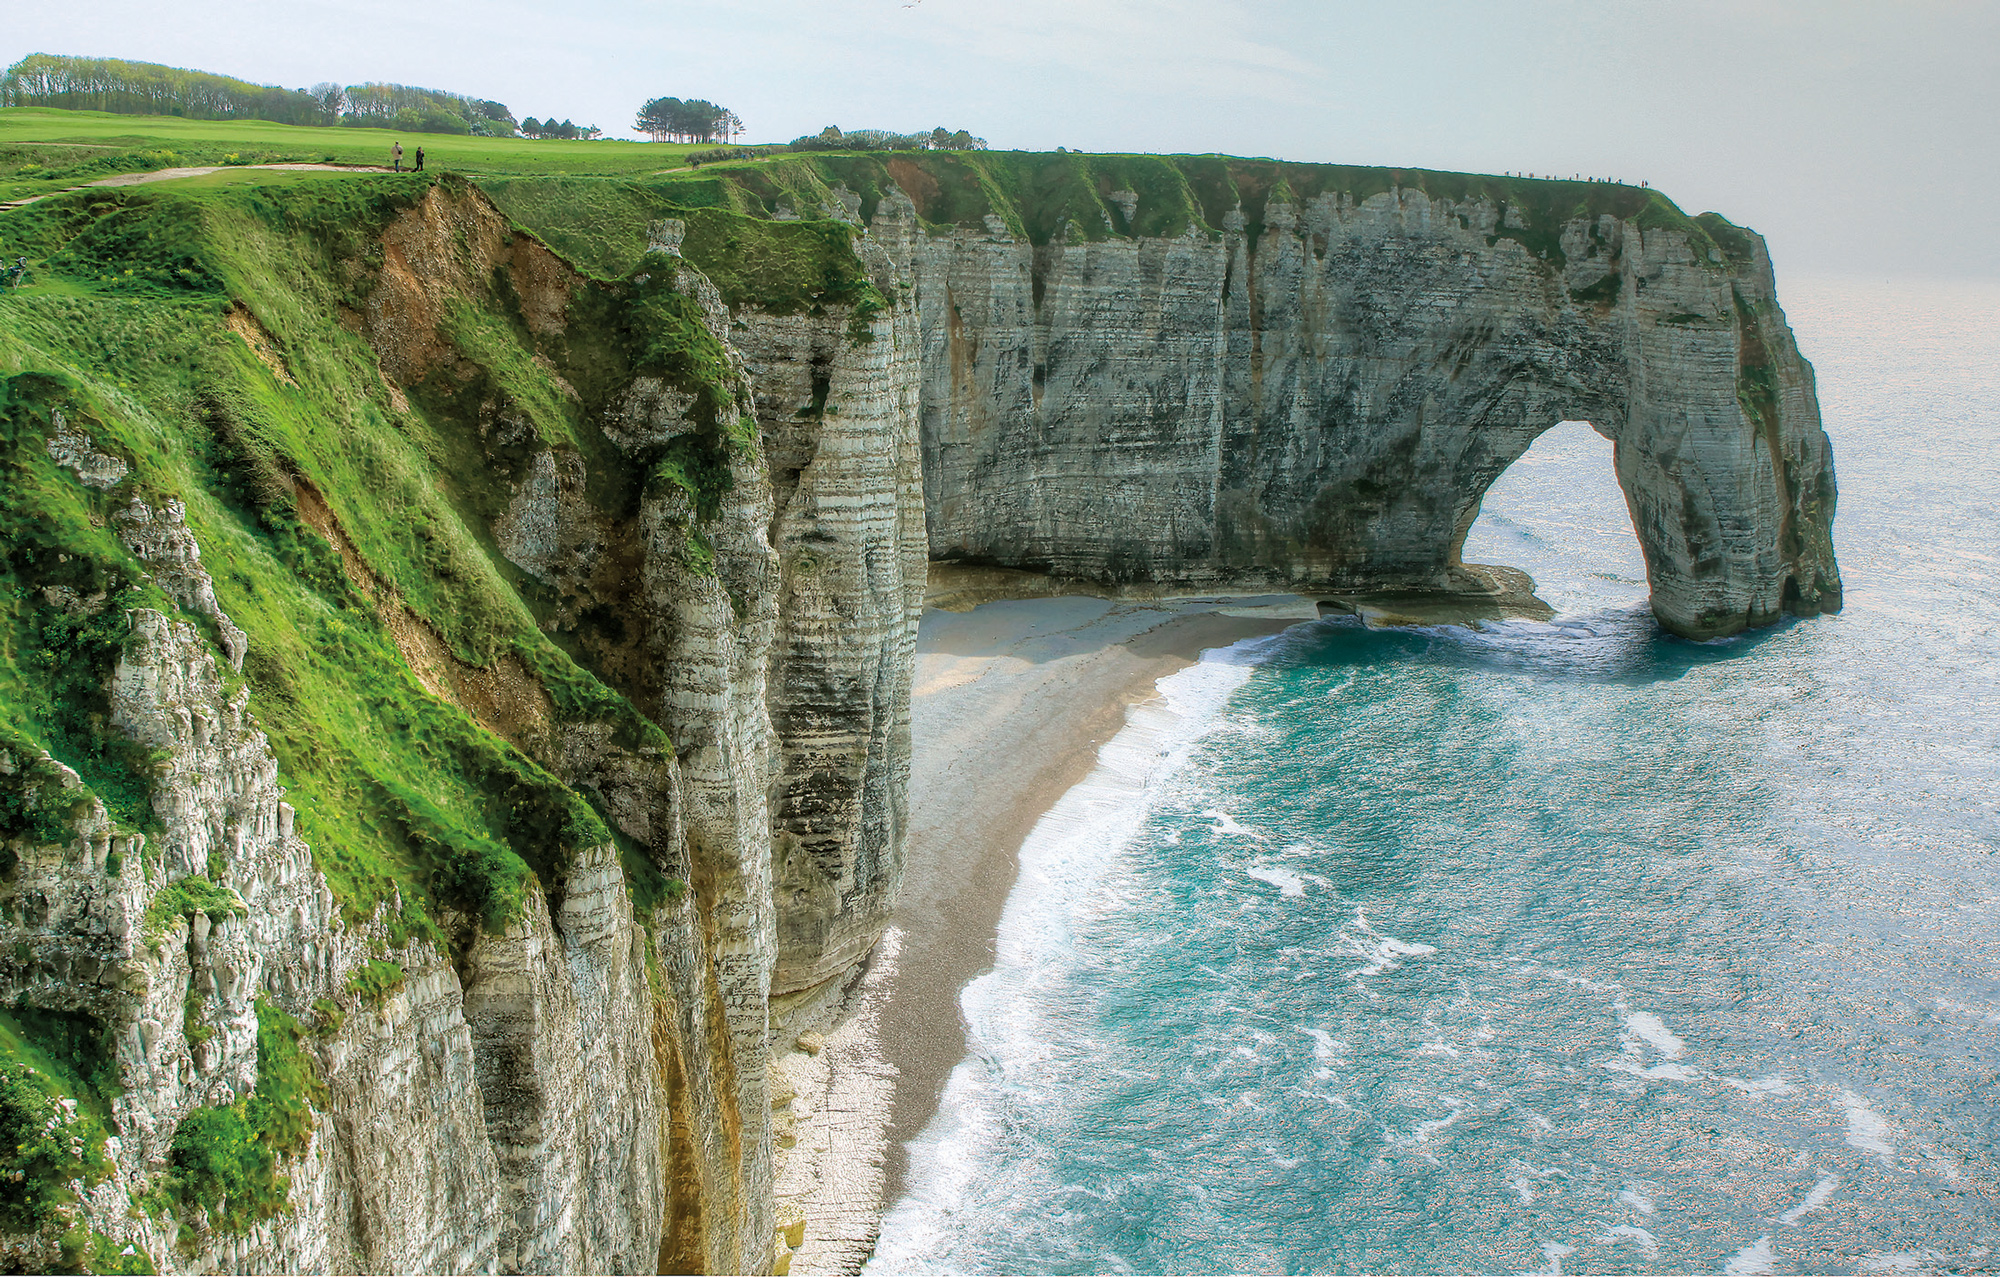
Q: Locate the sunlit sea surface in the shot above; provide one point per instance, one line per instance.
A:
(1538, 947)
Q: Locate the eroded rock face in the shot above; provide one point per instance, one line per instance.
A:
(837, 410)
(1320, 407)
(398, 1171)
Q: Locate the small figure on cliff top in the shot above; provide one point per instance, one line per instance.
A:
(396, 156)
(420, 159)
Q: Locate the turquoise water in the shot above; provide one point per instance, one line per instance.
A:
(1537, 947)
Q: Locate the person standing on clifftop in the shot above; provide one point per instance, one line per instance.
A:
(396, 156)
(420, 159)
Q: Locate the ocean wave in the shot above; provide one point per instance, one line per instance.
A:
(1062, 865)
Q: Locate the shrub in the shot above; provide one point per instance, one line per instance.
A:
(376, 981)
(225, 1158)
(45, 1144)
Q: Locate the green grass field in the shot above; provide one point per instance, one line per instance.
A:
(42, 149)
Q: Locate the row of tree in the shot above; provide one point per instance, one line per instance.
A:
(402, 106)
(831, 138)
(532, 127)
(146, 88)
(695, 120)
(143, 88)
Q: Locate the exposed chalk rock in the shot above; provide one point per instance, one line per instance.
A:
(1321, 406)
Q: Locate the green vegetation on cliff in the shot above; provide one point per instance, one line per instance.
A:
(55, 1087)
(604, 226)
(1088, 198)
(123, 337)
(65, 587)
(225, 1159)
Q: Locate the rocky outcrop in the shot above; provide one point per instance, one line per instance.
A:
(1318, 402)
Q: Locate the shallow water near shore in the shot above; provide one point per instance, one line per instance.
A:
(1537, 946)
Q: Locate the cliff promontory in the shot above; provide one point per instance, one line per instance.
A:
(456, 638)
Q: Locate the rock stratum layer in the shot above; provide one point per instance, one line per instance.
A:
(458, 641)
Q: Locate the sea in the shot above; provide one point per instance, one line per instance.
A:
(1537, 947)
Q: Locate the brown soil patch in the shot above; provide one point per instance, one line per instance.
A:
(917, 183)
(505, 697)
(258, 338)
(448, 247)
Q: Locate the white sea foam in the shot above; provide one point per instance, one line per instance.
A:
(1631, 1196)
(1774, 1084)
(1657, 1072)
(1920, 1261)
(1063, 862)
(1650, 1029)
(1882, 1261)
(1647, 1028)
(1816, 1197)
(1380, 952)
(1965, 1010)
(1632, 1233)
(1287, 883)
(1226, 824)
(1757, 1257)
(1868, 1130)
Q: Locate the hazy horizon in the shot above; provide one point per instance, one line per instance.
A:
(1855, 137)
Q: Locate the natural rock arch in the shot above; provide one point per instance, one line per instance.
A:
(1320, 407)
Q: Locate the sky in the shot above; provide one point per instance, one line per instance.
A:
(1860, 138)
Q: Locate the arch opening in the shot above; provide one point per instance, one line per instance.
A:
(1557, 512)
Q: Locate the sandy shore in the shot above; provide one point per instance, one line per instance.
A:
(1011, 701)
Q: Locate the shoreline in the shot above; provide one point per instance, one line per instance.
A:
(1011, 701)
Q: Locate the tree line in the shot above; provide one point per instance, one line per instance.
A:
(147, 88)
(695, 120)
(831, 138)
(532, 127)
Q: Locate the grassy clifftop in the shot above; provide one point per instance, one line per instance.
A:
(1034, 196)
(1039, 196)
(43, 149)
